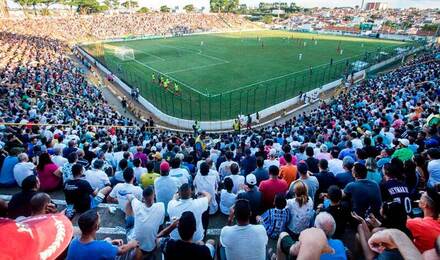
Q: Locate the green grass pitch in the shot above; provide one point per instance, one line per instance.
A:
(224, 74)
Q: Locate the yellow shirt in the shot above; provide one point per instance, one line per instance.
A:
(147, 179)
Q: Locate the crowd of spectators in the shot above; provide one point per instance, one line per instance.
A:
(366, 160)
(102, 26)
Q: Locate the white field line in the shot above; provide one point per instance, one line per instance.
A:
(194, 51)
(174, 79)
(195, 68)
(149, 54)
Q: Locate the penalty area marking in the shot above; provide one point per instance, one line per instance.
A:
(195, 68)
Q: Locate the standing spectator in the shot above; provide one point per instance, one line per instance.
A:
(325, 178)
(253, 195)
(23, 168)
(323, 154)
(272, 160)
(364, 194)
(340, 210)
(260, 172)
(20, 202)
(289, 171)
(141, 156)
(165, 187)
(87, 247)
(122, 191)
(204, 182)
(183, 202)
(403, 152)
(49, 173)
(372, 173)
(227, 197)
(347, 176)
(335, 164)
(271, 187)
(249, 162)
(301, 210)
(145, 219)
(236, 241)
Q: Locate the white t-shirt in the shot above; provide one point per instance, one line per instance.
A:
(238, 180)
(146, 223)
(335, 166)
(59, 160)
(181, 176)
(97, 178)
(121, 192)
(225, 169)
(244, 242)
(138, 172)
(226, 201)
(299, 216)
(196, 206)
(269, 162)
(207, 184)
(23, 170)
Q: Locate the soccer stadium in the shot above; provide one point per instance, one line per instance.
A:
(208, 129)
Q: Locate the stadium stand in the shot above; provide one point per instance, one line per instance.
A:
(361, 161)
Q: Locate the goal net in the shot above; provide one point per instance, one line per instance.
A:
(124, 53)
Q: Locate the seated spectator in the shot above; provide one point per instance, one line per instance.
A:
(393, 189)
(204, 182)
(312, 162)
(237, 180)
(275, 220)
(227, 197)
(41, 204)
(364, 194)
(119, 175)
(348, 151)
(23, 168)
(184, 247)
(67, 167)
(87, 247)
(345, 177)
(183, 202)
(340, 210)
(260, 172)
(269, 188)
(272, 160)
(148, 178)
(179, 174)
(141, 156)
(433, 167)
(96, 177)
(325, 178)
(80, 196)
(335, 165)
(48, 173)
(306, 177)
(122, 191)
(403, 152)
(57, 158)
(288, 172)
(19, 205)
(323, 154)
(232, 238)
(165, 187)
(144, 220)
(249, 162)
(7, 170)
(253, 195)
(138, 170)
(301, 210)
(288, 246)
(429, 203)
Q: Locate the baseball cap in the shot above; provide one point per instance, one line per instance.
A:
(251, 179)
(40, 237)
(158, 156)
(164, 167)
(404, 141)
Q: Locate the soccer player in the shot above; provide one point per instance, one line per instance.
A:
(176, 89)
(300, 56)
(153, 77)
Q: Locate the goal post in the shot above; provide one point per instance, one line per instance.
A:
(124, 53)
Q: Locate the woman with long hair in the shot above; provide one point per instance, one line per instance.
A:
(48, 173)
(301, 210)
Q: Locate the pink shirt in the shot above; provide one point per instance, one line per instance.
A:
(48, 180)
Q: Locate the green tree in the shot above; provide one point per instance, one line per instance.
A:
(432, 27)
(189, 8)
(115, 4)
(143, 10)
(224, 5)
(267, 19)
(165, 9)
(107, 3)
(130, 4)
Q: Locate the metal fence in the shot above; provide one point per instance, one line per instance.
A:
(189, 104)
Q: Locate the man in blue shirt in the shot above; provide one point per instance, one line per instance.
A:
(7, 173)
(86, 247)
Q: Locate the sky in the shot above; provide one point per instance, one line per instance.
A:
(339, 3)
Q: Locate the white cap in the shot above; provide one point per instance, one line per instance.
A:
(251, 179)
(405, 142)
